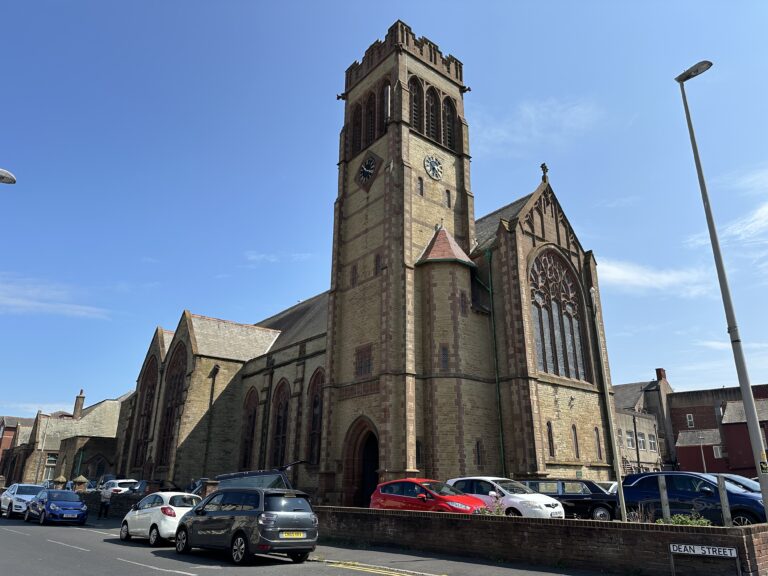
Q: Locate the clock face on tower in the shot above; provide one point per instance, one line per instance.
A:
(367, 169)
(433, 167)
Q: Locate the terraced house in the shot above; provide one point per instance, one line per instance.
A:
(445, 345)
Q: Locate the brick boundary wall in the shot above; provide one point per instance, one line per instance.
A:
(613, 547)
(118, 506)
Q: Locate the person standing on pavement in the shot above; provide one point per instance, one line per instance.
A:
(105, 501)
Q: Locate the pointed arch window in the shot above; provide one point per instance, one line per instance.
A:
(250, 416)
(575, 436)
(556, 314)
(280, 426)
(417, 104)
(315, 417)
(175, 378)
(357, 129)
(384, 107)
(550, 440)
(449, 124)
(370, 119)
(432, 114)
(146, 403)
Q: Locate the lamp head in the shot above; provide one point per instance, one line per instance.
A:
(694, 70)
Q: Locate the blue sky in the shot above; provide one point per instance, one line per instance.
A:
(182, 155)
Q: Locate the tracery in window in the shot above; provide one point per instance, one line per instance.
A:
(417, 104)
(556, 314)
(315, 417)
(147, 402)
(449, 124)
(174, 388)
(433, 114)
(280, 425)
(250, 414)
(370, 120)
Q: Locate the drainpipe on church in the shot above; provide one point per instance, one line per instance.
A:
(489, 259)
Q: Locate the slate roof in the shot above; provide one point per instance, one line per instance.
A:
(709, 437)
(304, 320)
(626, 396)
(734, 411)
(15, 421)
(224, 339)
(485, 227)
(166, 339)
(443, 248)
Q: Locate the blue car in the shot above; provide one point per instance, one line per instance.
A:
(691, 493)
(57, 506)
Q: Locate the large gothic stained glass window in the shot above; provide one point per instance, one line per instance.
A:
(556, 313)
(147, 403)
(174, 381)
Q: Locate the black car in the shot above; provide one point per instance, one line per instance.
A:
(690, 493)
(580, 498)
(248, 521)
(274, 478)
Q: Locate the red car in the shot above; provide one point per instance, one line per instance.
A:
(424, 495)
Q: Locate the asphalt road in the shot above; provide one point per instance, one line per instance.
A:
(28, 549)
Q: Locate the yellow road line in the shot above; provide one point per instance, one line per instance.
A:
(375, 569)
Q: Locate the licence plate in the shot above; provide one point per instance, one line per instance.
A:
(70, 515)
(293, 534)
(557, 514)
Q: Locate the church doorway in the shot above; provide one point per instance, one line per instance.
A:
(361, 463)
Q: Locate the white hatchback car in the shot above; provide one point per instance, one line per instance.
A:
(15, 499)
(513, 497)
(119, 486)
(157, 516)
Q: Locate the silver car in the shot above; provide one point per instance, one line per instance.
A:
(248, 521)
(15, 499)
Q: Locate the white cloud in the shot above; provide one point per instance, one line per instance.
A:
(548, 122)
(726, 345)
(632, 277)
(264, 258)
(754, 182)
(31, 296)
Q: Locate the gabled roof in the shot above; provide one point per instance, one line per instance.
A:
(224, 339)
(734, 411)
(443, 248)
(485, 227)
(300, 322)
(14, 421)
(708, 437)
(626, 396)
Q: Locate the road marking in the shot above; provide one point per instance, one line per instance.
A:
(98, 531)
(374, 569)
(69, 545)
(156, 568)
(17, 532)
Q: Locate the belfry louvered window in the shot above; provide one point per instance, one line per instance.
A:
(357, 129)
(449, 124)
(433, 114)
(417, 104)
(556, 313)
(370, 120)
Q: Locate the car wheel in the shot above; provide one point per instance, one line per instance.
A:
(125, 534)
(743, 519)
(239, 553)
(42, 517)
(26, 515)
(154, 536)
(601, 513)
(182, 541)
(512, 512)
(298, 557)
(8, 511)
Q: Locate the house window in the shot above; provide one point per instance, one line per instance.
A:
(556, 312)
(575, 436)
(597, 444)
(444, 358)
(479, 454)
(50, 466)
(619, 439)
(250, 413)
(364, 361)
(630, 439)
(652, 443)
(448, 198)
(550, 440)
(641, 440)
(689, 420)
(718, 450)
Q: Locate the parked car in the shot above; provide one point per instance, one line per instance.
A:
(580, 498)
(611, 487)
(423, 494)
(688, 493)
(141, 487)
(56, 506)
(15, 499)
(248, 521)
(157, 516)
(742, 481)
(119, 486)
(515, 498)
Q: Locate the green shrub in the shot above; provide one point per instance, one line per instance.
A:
(694, 519)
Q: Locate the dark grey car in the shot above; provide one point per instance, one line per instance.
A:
(249, 521)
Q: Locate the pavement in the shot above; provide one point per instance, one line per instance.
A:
(389, 560)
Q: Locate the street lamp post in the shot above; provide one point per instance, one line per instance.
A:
(750, 411)
(6, 177)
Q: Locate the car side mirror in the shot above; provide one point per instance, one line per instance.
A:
(493, 494)
(422, 497)
(199, 511)
(134, 507)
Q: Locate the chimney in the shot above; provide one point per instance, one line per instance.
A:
(77, 413)
(661, 374)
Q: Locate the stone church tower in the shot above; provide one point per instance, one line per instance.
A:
(445, 345)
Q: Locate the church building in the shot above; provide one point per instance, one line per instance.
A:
(445, 346)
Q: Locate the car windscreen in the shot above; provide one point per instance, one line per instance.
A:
(28, 490)
(514, 487)
(184, 501)
(743, 482)
(442, 489)
(729, 485)
(63, 496)
(130, 484)
(257, 481)
(284, 503)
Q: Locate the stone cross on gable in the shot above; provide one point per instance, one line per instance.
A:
(544, 171)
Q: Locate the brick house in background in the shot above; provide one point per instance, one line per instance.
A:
(11, 434)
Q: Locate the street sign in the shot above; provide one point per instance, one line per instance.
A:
(698, 550)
